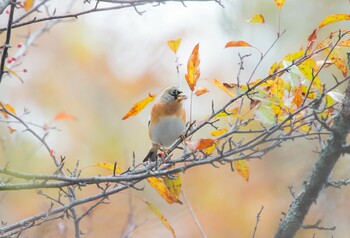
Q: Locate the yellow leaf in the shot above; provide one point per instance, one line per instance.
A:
(222, 87)
(159, 185)
(64, 116)
(210, 149)
(161, 217)
(201, 91)
(242, 168)
(274, 68)
(279, 3)
(139, 106)
(237, 44)
(222, 114)
(219, 132)
(174, 44)
(193, 71)
(28, 4)
(109, 166)
(8, 108)
(173, 185)
(334, 18)
(277, 87)
(258, 18)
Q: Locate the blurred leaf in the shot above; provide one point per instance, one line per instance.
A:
(13, 73)
(159, 185)
(242, 168)
(201, 91)
(257, 18)
(12, 130)
(64, 116)
(222, 87)
(274, 68)
(109, 166)
(9, 108)
(338, 97)
(28, 4)
(333, 19)
(193, 71)
(264, 114)
(237, 44)
(312, 36)
(139, 106)
(173, 184)
(339, 62)
(174, 44)
(161, 217)
(219, 132)
(279, 3)
(345, 43)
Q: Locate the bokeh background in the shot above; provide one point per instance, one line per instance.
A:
(97, 66)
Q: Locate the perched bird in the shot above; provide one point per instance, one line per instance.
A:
(167, 122)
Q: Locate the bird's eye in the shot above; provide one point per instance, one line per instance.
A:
(175, 93)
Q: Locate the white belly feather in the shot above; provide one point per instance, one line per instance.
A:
(167, 131)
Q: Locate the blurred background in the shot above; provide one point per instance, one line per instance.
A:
(97, 66)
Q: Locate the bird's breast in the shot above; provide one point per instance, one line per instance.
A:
(167, 130)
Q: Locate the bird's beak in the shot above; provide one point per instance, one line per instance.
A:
(181, 97)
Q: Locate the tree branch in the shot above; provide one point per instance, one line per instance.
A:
(318, 178)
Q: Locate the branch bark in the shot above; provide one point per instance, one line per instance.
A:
(299, 208)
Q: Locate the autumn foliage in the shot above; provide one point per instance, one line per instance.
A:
(294, 99)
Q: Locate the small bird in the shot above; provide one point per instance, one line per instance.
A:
(167, 122)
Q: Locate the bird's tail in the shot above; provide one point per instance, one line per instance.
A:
(152, 154)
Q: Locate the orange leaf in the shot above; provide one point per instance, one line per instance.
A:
(201, 91)
(334, 18)
(64, 116)
(312, 36)
(200, 144)
(161, 217)
(109, 166)
(345, 43)
(223, 87)
(9, 108)
(159, 185)
(242, 168)
(298, 96)
(237, 44)
(279, 3)
(28, 4)
(258, 18)
(174, 44)
(139, 106)
(339, 62)
(204, 143)
(193, 71)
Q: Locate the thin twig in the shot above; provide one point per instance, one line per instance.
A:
(257, 221)
(193, 215)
